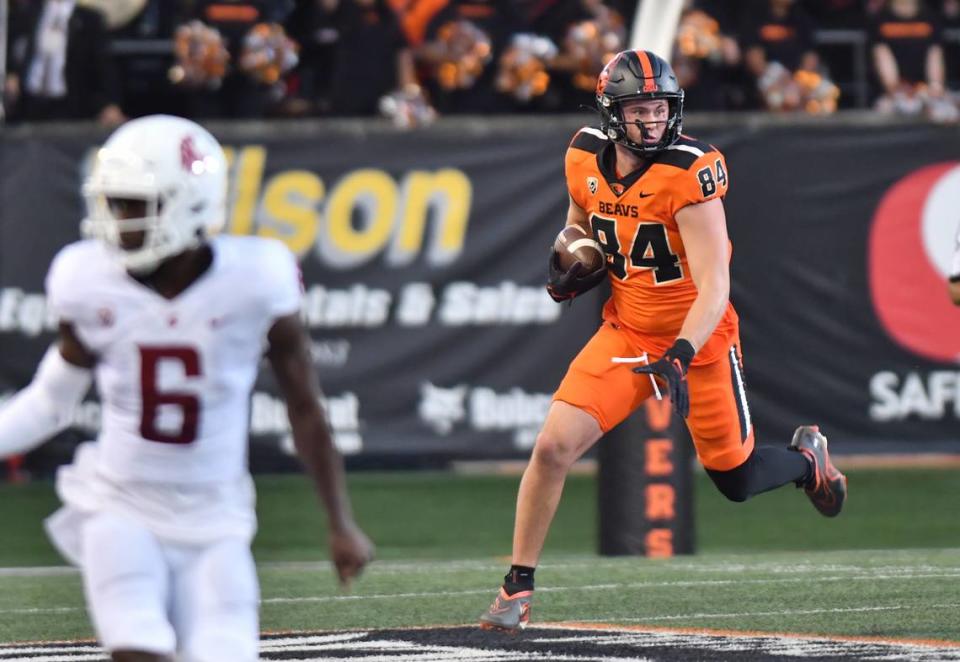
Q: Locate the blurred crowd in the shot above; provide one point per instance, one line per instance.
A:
(765, 54)
(411, 60)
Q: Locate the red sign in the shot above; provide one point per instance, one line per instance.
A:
(914, 225)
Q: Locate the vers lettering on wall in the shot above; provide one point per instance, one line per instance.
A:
(395, 213)
(645, 485)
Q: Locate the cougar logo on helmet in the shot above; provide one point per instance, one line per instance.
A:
(190, 158)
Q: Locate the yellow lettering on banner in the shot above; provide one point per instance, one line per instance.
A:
(375, 193)
(245, 189)
(290, 201)
(659, 543)
(363, 215)
(449, 192)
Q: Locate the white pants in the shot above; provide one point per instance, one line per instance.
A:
(144, 594)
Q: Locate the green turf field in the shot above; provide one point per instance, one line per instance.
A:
(889, 566)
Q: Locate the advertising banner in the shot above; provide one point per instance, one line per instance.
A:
(424, 258)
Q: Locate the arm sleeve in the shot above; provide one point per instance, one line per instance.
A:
(706, 179)
(43, 408)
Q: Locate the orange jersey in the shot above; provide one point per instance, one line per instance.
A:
(634, 219)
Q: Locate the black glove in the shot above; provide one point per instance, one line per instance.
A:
(564, 285)
(672, 368)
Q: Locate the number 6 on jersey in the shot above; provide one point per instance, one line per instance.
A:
(153, 398)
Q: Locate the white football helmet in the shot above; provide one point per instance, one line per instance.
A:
(177, 168)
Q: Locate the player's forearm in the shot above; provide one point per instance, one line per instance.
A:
(886, 66)
(756, 61)
(43, 408)
(406, 71)
(935, 69)
(26, 421)
(311, 436)
(705, 313)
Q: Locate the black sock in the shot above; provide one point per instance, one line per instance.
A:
(766, 468)
(520, 578)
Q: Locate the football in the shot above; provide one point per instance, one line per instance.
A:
(573, 244)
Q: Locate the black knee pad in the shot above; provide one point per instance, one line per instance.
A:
(735, 484)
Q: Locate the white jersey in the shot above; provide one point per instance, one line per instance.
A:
(174, 378)
(175, 375)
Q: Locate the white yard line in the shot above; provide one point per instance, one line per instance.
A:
(41, 610)
(550, 589)
(782, 612)
(47, 571)
(615, 586)
(679, 564)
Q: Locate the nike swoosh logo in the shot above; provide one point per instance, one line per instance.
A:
(644, 195)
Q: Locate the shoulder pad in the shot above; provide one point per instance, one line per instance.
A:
(589, 139)
(685, 152)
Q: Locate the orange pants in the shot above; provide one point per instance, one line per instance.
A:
(719, 420)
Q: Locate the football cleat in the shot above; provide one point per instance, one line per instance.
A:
(827, 489)
(508, 613)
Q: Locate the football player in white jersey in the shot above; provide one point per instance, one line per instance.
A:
(172, 322)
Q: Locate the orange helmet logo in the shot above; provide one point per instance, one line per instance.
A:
(605, 74)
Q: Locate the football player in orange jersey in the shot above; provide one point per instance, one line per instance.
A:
(652, 198)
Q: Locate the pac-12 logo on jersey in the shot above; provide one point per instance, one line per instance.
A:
(592, 184)
(105, 316)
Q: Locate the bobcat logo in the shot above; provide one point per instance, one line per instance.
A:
(441, 408)
(592, 184)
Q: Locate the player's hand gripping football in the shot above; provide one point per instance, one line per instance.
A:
(350, 550)
(672, 368)
(565, 285)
